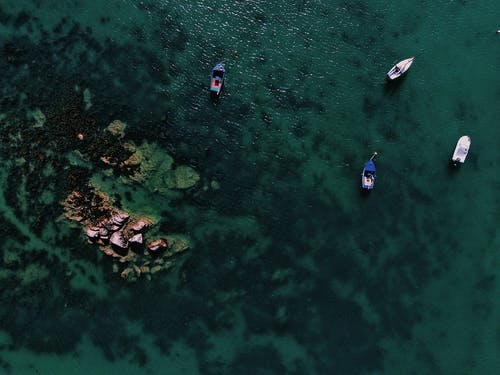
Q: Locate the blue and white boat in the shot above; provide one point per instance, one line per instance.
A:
(217, 78)
(369, 174)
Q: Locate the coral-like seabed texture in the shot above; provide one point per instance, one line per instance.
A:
(149, 228)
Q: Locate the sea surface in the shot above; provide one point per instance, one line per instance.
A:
(291, 269)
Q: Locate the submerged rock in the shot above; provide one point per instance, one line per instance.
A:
(33, 273)
(183, 177)
(129, 274)
(87, 99)
(117, 128)
(39, 118)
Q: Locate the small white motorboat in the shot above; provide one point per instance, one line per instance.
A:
(400, 68)
(461, 150)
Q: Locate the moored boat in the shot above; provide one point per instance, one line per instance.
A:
(400, 68)
(217, 78)
(461, 150)
(369, 174)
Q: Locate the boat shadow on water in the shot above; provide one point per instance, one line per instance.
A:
(453, 166)
(364, 192)
(391, 86)
(214, 97)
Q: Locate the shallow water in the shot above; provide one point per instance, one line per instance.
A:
(291, 269)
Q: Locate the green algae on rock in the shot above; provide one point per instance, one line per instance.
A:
(147, 164)
(182, 177)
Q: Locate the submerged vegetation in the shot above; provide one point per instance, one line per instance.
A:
(115, 161)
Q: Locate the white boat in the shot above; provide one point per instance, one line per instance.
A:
(461, 150)
(400, 68)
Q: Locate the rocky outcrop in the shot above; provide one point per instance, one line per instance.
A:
(121, 235)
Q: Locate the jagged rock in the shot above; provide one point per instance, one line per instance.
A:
(110, 225)
(119, 217)
(103, 232)
(157, 245)
(136, 239)
(140, 224)
(119, 240)
(91, 232)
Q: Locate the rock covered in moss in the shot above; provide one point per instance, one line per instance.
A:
(182, 177)
(117, 128)
(39, 118)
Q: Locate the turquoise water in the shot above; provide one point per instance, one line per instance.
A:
(291, 269)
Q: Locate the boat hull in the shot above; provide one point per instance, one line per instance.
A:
(217, 78)
(461, 150)
(368, 175)
(400, 68)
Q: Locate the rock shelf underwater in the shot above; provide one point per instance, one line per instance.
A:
(108, 139)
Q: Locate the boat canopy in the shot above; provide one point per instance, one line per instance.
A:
(370, 166)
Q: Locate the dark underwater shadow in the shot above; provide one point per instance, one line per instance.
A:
(214, 97)
(364, 193)
(453, 166)
(392, 86)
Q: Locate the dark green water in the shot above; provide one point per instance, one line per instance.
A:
(292, 270)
